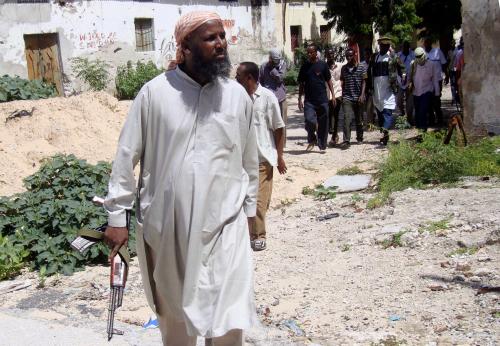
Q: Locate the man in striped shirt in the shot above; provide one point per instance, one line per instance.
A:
(353, 79)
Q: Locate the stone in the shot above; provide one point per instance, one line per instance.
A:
(438, 287)
(463, 267)
(475, 279)
(440, 328)
(483, 272)
(349, 183)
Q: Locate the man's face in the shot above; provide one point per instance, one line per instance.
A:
(330, 55)
(208, 48)
(240, 76)
(312, 54)
(427, 45)
(384, 48)
(350, 57)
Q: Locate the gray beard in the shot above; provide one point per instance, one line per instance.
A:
(211, 69)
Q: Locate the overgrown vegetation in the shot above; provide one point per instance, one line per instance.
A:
(93, 72)
(37, 226)
(16, 88)
(417, 165)
(320, 192)
(291, 76)
(352, 170)
(130, 79)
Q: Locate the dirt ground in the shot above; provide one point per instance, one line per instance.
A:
(333, 282)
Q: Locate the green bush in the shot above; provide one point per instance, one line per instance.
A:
(12, 257)
(16, 88)
(418, 164)
(94, 73)
(291, 77)
(57, 203)
(130, 79)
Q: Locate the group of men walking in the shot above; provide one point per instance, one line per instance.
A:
(408, 81)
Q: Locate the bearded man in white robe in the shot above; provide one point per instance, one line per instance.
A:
(192, 131)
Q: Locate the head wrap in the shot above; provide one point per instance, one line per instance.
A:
(420, 55)
(275, 54)
(188, 23)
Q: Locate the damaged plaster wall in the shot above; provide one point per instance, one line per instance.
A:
(106, 30)
(481, 76)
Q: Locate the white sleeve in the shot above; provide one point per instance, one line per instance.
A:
(274, 111)
(250, 159)
(121, 187)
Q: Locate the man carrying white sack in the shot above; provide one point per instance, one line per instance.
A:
(191, 128)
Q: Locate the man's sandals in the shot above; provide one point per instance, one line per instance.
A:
(258, 244)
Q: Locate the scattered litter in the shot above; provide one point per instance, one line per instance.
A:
(328, 216)
(439, 287)
(395, 318)
(348, 183)
(488, 289)
(294, 327)
(152, 323)
(20, 113)
(11, 286)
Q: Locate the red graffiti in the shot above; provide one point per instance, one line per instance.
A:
(96, 39)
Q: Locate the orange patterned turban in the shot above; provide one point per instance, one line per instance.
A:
(188, 23)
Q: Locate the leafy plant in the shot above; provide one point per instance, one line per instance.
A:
(463, 251)
(353, 170)
(12, 257)
(95, 73)
(402, 123)
(394, 241)
(320, 192)
(291, 77)
(435, 226)
(16, 88)
(129, 79)
(45, 218)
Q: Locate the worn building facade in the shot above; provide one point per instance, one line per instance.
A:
(298, 21)
(481, 76)
(38, 38)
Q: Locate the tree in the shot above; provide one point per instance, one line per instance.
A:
(358, 18)
(439, 19)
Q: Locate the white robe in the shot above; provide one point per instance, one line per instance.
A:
(198, 183)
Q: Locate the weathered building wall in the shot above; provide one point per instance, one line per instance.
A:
(106, 30)
(481, 76)
(304, 14)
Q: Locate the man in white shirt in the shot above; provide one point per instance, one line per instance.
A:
(405, 98)
(269, 128)
(436, 55)
(383, 72)
(192, 131)
(424, 84)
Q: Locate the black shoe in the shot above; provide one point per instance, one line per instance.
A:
(345, 145)
(360, 140)
(385, 139)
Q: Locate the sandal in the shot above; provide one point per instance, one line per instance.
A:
(258, 244)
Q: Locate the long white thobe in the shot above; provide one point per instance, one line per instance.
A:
(197, 185)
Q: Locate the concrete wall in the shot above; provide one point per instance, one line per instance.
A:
(106, 30)
(481, 77)
(307, 14)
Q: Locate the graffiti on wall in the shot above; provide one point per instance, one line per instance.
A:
(96, 39)
(168, 48)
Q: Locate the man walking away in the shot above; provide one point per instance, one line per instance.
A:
(384, 73)
(333, 111)
(437, 57)
(424, 84)
(405, 98)
(353, 78)
(269, 129)
(313, 75)
(192, 131)
(271, 77)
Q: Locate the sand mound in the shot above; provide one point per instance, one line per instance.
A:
(87, 125)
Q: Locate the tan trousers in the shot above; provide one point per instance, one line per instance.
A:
(284, 115)
(263, 200)
(174, 332)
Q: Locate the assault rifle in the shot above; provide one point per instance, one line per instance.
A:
(119, 267)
